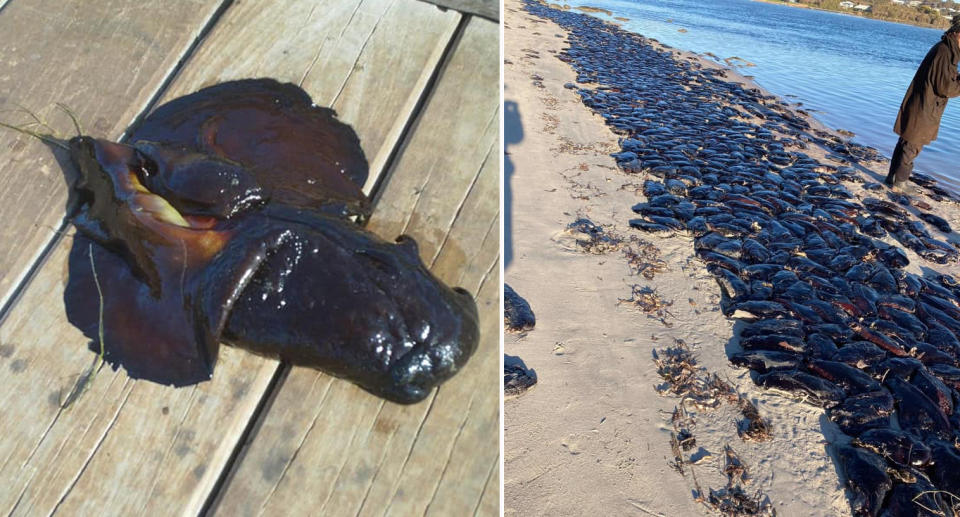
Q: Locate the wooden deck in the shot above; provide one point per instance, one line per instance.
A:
(420, 85)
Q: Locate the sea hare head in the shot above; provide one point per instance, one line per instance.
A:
(334, 297)
(447, 331)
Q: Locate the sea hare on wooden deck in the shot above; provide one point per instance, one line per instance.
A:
(227, 217)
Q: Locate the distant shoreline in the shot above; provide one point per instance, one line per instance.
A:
(595, 10)
(847, 13)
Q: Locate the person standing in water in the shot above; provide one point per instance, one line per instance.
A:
(917, 122)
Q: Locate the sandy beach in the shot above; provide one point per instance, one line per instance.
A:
(595, 432)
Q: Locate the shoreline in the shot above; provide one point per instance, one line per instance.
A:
(950, 182)
(593, 429)
(588, 9)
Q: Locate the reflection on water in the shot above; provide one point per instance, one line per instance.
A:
(850, 72)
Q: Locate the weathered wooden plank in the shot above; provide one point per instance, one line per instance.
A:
(137, 428)
(473, 236)
(136, 447)
(105, 60)
(457, 149)
(489, 9)
(444, 191)
(462, 480)
(490, 501)
(354, 64)
(405, 475)
(456, 484)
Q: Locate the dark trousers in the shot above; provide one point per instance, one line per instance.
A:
(901, 164)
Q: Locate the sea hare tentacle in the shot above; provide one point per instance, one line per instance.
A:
(185, 181)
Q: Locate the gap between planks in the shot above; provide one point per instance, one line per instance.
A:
(494, 467)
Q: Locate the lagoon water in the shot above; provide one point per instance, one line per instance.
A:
(849, 72)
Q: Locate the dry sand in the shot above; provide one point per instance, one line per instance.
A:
(593, 435)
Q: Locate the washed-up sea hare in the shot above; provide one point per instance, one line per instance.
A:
(227, 217)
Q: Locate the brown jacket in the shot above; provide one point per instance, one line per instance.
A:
(923, 105)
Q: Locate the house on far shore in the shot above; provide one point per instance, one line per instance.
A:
(863, 8)
(847, 5)
(897, 2)
(914, 3)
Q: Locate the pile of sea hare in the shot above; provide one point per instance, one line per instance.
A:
(830, 313)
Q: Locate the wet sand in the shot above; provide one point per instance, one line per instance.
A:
(594, 433)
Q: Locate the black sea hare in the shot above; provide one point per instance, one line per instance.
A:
(225, 219)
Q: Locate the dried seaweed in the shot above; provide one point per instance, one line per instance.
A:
(753, 426)
(702, 390)
(681, 438)
(683, 378)
(648, 301)
(733, 500)
(594, 238)
(644, 259)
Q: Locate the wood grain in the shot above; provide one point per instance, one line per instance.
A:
(347, 452)
(105, 60)
(136, 447)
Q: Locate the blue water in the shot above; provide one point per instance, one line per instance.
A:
(849, 72)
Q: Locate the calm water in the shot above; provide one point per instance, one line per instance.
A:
(850, 72)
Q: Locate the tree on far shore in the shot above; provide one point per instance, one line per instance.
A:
(889, 11)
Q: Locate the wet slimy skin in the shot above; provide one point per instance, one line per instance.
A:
(224, 220)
